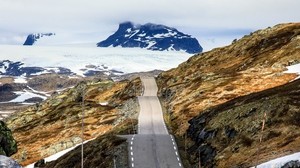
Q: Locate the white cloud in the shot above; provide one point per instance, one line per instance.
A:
(98, 18)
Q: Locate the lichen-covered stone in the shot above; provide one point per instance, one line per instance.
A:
(8, 145)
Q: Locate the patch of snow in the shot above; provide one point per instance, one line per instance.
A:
(142, 35)
(24, 95)
(294, 69)
(138, 39)
(39, 92)
(279, 162)
(103, 103)
(169, 34)
(54, 69)
(20, 79)
(107, 73)
(2, 69)
(58, 155)
(171, 48)
(151, 43)
(134, 33)
(159, 35)
(73, 77)
(128, 30)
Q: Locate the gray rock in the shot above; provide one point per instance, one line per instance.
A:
(292, 164)
(6, 162)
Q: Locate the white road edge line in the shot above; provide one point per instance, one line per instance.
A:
(176, 153)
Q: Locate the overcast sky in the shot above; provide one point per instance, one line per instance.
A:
(94, 20)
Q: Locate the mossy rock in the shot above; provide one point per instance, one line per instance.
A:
(8, 145)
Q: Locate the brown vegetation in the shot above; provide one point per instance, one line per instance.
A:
(55, 124)
(252, 64)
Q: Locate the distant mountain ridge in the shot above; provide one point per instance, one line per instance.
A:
(152, 37)
(10, 68)
(32, 38)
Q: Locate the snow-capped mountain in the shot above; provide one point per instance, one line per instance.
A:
(152, 37)
(10, 68)
(32, 38)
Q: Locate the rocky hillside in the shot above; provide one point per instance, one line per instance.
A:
(251, 64)
(55, 124)
(100, 152)
(229, 134)
(152, 37)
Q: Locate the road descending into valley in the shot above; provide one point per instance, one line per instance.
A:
(153, 146)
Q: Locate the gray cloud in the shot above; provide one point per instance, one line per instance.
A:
(98, 18)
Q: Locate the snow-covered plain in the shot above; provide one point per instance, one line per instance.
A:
(24, 95)
(76, 57)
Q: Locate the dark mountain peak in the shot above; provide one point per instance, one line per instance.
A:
(152, 37)
(125, 25)
(32, 38)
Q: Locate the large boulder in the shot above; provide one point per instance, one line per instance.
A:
(7, 162)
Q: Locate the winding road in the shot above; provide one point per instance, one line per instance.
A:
(153, 146)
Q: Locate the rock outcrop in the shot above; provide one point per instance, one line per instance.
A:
(8, 145)
(32, 38)
(7, 162)
(292, 164)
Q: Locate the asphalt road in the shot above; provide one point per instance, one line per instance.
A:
(153, 146)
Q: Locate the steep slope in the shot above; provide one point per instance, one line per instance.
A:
(231, 131)
(107, 150)
(54, 125)
(152, 37)
(252, 64)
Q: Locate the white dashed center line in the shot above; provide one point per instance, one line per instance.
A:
(131, 151)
